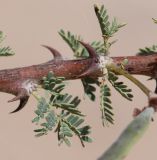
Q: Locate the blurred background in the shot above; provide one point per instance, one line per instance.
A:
(30, 23)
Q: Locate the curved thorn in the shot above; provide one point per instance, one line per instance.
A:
(90, 49)
(92, 54)
(23, 102)
(55, 53)
(22, 93)
(155, 91)
(15, 98)
(156, 86)
(23, 97)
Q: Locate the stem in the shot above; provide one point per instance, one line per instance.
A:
(36, 96)
(129, 137)
(120, 71)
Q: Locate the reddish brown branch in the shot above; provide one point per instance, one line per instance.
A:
(21, 81)
(141, 65)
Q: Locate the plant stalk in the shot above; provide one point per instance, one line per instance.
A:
(129, 137)
(121, 71)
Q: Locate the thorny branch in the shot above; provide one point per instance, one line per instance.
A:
(22, 81)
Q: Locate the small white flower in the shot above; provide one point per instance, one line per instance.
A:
(104, 61)
(30, 86)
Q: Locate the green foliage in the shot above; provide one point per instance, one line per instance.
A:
(105, 105)
(79, 51)
(53, 84)
(120, 86)
(69, 126)
(60, 113)
(89, 88)
(1, 36)
(48, 125)
(154, 20)
(103, 19)
(148, 50)
(108, 28)
(5, 51)
(73, 42)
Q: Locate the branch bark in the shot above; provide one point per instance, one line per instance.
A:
(22, 81)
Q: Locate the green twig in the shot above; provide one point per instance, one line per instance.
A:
(129, 137)
(120, 71)
(36, 96)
